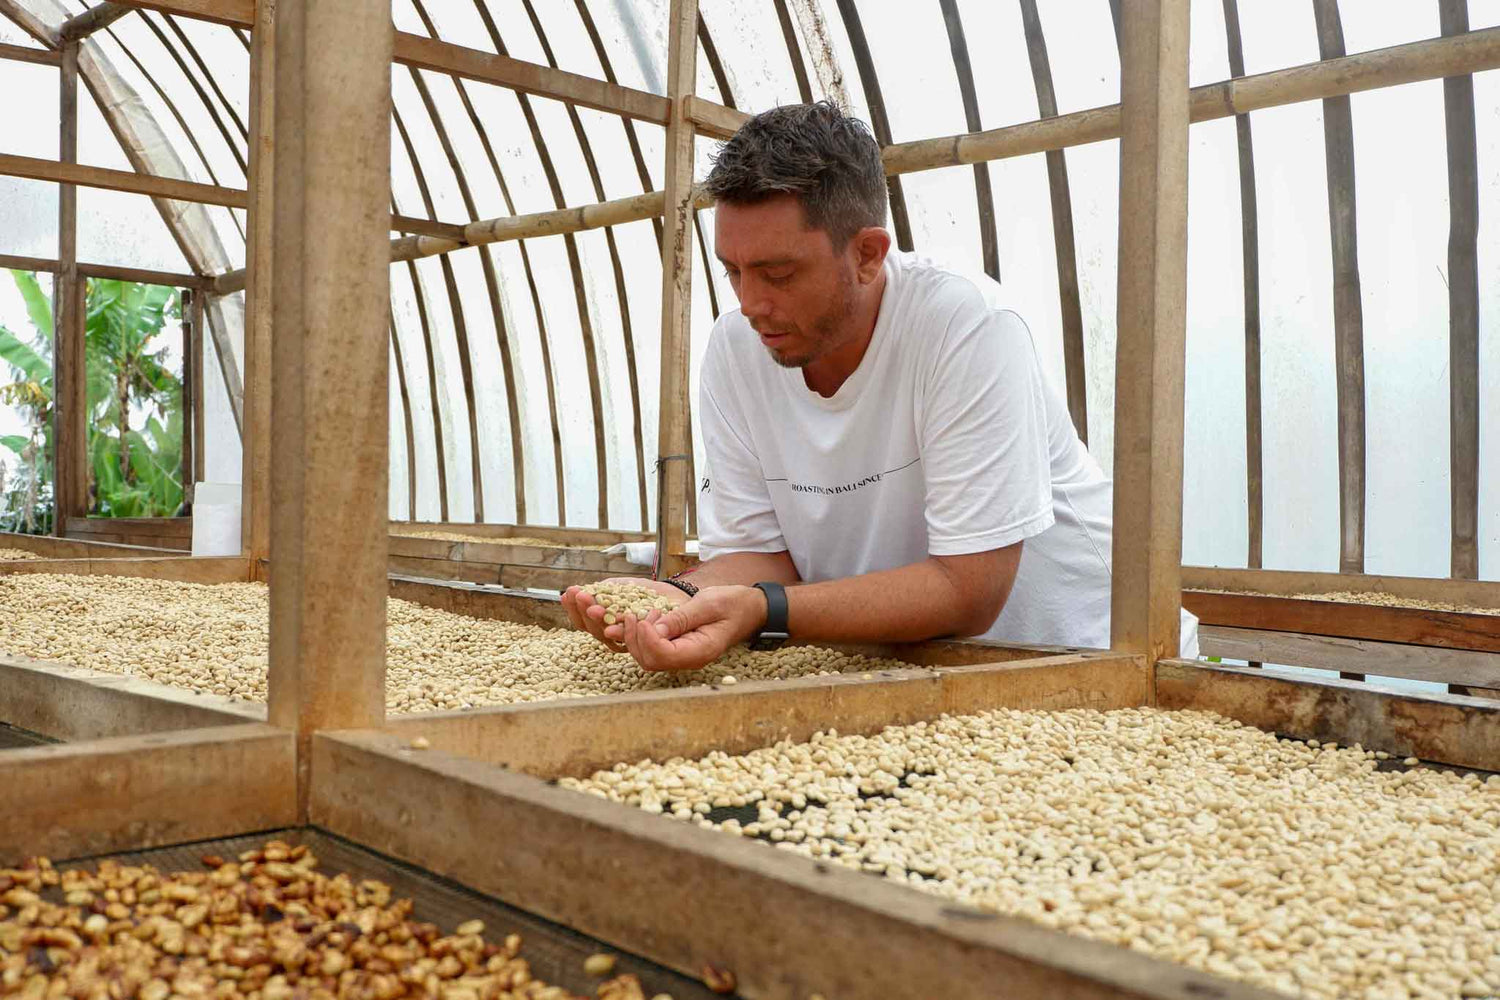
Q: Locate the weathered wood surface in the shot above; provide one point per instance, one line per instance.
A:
(52, 547)
(236, 13)
(96, 18)
(185, 569)
(133, 792)
(563, 536)
(176, 279)
(70, 417)
(1463, 305)
(256, 454)
(1417, 626)
(674, 441)
(1353, 658)
(658, 888)
(1448, 729)
(65, 172)
(478, 602)
(330, 368)
(71, 703)
(1468, 593)
(161, 532)
(1150, 355)
(27, 54)
(576, 736)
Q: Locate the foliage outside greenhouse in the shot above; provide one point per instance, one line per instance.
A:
(134, 471)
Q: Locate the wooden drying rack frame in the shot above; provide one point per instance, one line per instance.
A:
(148, 766)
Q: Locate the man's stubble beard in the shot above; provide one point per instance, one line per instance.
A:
(828, 330)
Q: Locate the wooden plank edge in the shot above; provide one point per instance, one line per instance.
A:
(183, 569)
(134, 792)
(1448, 729)
(1377, 622)
(53, 547)
(68, 702)
(1291, 583)
(657, 888)
(576, 736)
(1357, 656)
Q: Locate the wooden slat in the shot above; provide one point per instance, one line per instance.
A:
(133, 792)
(1064, 244)
(577, 736)
(434, 391)
(711, 118)
(187, 470)
(406, 422)
(256, 464)
(185, 569)
(27, 54)
(1250, 266)
(427, 227)
(70, 416)
(67, 173)
(170, 527)
(51, 547)
(1353, 656)
(1469, 593)
(200, 427)
(491, 604)
(1463, 305)
(674, 435)
(659, 888)
(1348, 311)
(497, 530)
(235, 13)
(1354, 621)
(1448, 729)
(1150, 352)
(72, 703)
(329, 374)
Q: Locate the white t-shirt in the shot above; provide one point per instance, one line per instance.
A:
(946, 440)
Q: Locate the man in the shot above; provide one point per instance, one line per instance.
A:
(885, 461)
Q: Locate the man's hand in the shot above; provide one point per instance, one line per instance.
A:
(697, 632)
(587, 615)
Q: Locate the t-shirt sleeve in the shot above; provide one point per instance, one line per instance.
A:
(984, 435)
(735, 513)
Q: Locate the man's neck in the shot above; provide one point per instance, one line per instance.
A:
(827, 374)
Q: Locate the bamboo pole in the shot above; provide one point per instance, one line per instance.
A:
(70, 405)
(1151, 347)
(329, 384)
(1425, 60)
(962, 66)
(674, 436)
(255, 424)
(879, 121)
(94, 19)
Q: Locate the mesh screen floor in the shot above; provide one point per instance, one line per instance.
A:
(555, 953)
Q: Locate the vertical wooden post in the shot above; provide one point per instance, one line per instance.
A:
(1463, 304)
(1151, 350)
(189, 462)
(330, 367)
(674, 434)
(255, 425)
(195, 350)
(70, 476)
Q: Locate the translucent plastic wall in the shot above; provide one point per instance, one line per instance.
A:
(495, 344)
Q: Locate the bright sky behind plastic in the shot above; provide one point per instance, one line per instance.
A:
(197, 98)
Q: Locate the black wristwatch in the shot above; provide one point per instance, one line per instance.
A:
(773, 633)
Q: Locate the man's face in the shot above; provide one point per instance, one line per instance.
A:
(796, 291)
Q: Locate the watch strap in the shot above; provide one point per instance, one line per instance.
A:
(775, 628)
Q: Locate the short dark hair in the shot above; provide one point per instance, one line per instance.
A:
(828, 159)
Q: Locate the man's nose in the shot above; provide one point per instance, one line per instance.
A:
(754, 302)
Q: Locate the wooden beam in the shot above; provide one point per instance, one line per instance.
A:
(51, 547)
(96, 18)
(712, 119)
(1348, 312)
(674, 435)
(1291, 583)
(27, 54)
(68, 173)
(200, 432)
(70, 417)
(1250, 269)
(329, 374)
(1151, 348)
(175, 279)
(255, 424)
(427, 227)
(480, 602)
(185, 569)
(1463, 304)
(133, 792)
(1448, 729)
(235, 13)
(188, 454)
(1420, 626)
(658, 888)
(576, 736)
(71, 703)
(1356, 657)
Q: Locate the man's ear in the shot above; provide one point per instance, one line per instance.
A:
(871, 244)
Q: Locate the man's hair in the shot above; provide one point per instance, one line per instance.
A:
(828, 159)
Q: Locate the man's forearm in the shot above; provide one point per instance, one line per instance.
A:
(743, 569)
